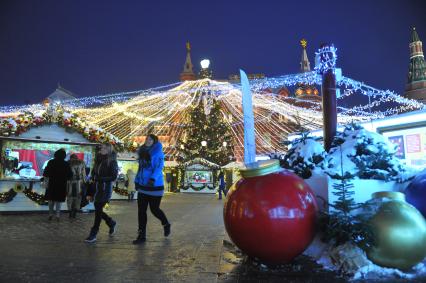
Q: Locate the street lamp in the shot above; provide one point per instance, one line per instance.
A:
(205, 72)
(203, 143)
(224, 144)
(205, 63)
(182, 146)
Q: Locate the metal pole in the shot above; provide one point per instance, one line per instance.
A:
(327, 63)
(329, 107)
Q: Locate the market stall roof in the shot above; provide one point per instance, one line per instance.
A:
(202, 161)
(53, 132)
(61, 94)
(171, 163)
(47, 141)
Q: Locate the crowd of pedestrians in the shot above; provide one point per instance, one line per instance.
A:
(67, 180)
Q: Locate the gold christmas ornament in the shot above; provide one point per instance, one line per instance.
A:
(260, 168)
(19, 187)
(399, 230)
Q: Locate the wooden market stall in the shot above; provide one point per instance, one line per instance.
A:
(24, 157)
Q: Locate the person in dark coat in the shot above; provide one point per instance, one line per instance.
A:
(150, 185)
(58, 172)
(222, 184)
(104, 174)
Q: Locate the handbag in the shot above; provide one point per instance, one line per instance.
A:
(83, 202)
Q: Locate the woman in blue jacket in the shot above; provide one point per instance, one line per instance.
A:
(150, 185)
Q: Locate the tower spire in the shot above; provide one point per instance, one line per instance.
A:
(188, 73)
(414, 35)
(416, 84)
(305, 90)
(305, 65)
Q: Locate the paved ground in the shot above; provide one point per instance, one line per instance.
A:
(33, 249)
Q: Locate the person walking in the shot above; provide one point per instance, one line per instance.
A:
(130, 184)
(75, 185)
(222, 184)
(104, 173)
(150, 185)
(58, 172)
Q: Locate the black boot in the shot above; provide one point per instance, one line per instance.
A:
(167, 229)
(112, 227)
(92, 236)
(141, 237)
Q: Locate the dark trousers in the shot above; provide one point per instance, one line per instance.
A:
(154, 205)
(99, 215)
(130, 196)
(222, 189)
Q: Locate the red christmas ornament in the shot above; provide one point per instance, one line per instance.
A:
(270, 214)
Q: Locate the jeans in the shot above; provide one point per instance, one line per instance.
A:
(222, 189)
(57, 205)
(99, 215)
(154, 205)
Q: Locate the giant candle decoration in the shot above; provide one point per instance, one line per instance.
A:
(269, 213)
(249, 140)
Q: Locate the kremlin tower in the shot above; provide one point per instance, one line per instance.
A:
(416, 85)
(188, 74)
(306, 91)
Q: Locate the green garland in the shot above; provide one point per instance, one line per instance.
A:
(14, 126)
(7, 196)
(35, 197)
(10, 195)
(197, 189)
(121, 192)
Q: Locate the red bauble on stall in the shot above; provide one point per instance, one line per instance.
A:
(270, 214)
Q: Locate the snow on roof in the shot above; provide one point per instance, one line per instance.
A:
(61, 94)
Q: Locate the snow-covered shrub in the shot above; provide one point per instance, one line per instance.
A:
(365, 154)
(304, 155)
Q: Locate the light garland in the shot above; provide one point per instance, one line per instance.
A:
(327, 56)
(128, 116)
(7, 196)
(35, 197)
(23, 122)
(121, 192)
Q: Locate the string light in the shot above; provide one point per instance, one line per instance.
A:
(163, 110)
(35, 197)
(7, 196)
(327, 57)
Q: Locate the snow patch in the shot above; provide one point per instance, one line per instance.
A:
(355, 263)
(307, 149)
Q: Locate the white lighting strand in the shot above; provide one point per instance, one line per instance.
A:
(130, 115)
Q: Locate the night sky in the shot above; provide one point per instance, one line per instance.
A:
(98, 47)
